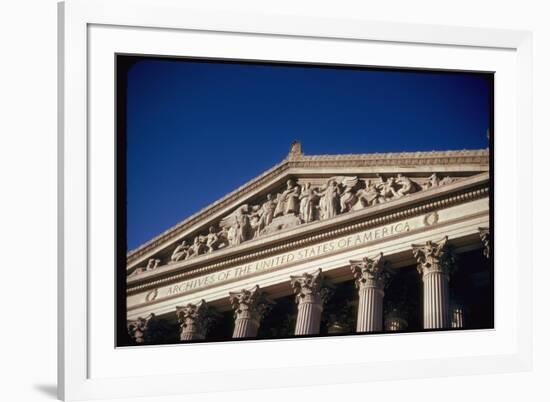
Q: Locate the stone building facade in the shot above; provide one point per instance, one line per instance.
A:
(322, 245)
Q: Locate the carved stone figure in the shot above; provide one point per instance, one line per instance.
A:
(348, 198)
(213, 239)
(330, 201)
(386, 188)
(446, 180)
(433, 181)
(152, 264)
(308, 203)
(197, 248)
(267, 210)
(242, 228)
(236, 226)
(406, 186)
(369, 195)
(180, 252)
(289, 200)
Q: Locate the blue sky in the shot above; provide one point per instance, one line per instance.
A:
(196, 130)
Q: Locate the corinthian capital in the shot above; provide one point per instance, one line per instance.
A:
(193, 320)
(137, 329)
(251, 304)
(370, 272)
(308, 287)
(485, 234)
(434, 257)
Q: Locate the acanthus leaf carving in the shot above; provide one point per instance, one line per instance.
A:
(137, 329)
(308, 287)
(371, 272)
(434, 257)
(250, 303)
(194, 320)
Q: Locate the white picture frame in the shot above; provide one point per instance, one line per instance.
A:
(89, 368)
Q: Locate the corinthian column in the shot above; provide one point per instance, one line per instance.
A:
(310, 302)
(250, 306)
(192, 319)
(371, 276)
(435, 263)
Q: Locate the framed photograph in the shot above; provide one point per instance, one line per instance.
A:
(289, 200)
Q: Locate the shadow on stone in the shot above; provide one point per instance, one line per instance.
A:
(47, 389)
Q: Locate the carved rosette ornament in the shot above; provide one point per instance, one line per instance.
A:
(137, 329)
(371, 276)
(485, 235)
(250, 307)
(309, 297)
(435, 264)
(193, 321)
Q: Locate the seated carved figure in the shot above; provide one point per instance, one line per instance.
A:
(197, 248)
(406, 186)
(433, 181)
(369, 195)
(386, 188)
(153, 263)
(180, 252)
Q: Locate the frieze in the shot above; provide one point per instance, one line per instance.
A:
(297, 159)
(295, 205)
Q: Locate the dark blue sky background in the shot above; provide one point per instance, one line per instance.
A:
(196, 131)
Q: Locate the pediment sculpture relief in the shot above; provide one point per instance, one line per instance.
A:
(295, 205)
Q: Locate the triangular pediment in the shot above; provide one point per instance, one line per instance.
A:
(300, 190)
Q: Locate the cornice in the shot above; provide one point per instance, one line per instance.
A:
(400, 159)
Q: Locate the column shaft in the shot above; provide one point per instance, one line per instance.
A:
(307, 288)
(308, 321)
(371, 276)
(436, 301)
(435, 264)
(191, 336)
(250, 305)
(370, 311)
(245, 328)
